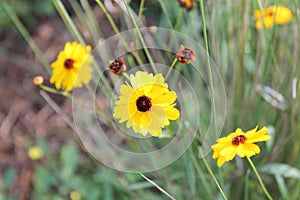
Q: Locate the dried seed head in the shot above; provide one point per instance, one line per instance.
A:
(185, 55)
(117, 66)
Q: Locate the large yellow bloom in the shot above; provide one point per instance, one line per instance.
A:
(239, 143)
(147, 104)
(72, 67)
(273, 14)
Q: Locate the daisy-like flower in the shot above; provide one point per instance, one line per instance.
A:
(239, 143)
(185, 55)
(272, 15)
(146, 104)
(188, 4)
(117, 66)
(72, 67)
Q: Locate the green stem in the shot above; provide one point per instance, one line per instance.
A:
(209, 66)
(157, 186)
(68, 21)
(54, 91)
(213, 106)
(212, 174)
(91, 20)
(98, 107)
(246, 194)
(142, 4)
(116, 30)
(13, 16)
(126, 76)
(110, 19)
(270, 48)
(140, 37)
(200, 172)
(259, 179)
(170, 69)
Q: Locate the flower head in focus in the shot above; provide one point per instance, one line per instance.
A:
(72, 67)
(272, 15)
(239, 143)
(146, 104)
(117, 66)
(188, 4)
(35, 153)
(185, 55)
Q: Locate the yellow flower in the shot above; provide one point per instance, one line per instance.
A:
(147, 104)
(239, 143)
(35, 153)
(74, 195)
(273, 14)
(72, 67)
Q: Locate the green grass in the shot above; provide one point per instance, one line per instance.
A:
(245, 58)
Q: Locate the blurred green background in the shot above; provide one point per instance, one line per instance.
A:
(246, 57)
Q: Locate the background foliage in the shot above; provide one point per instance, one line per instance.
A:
(247, 58)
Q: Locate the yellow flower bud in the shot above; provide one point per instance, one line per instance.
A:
(38, 80)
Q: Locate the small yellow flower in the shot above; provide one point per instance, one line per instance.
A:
(35, 153)
(147, 104)
(74, 195)
(239, 143)
(38, 80)
(72, 67)
(273, 14)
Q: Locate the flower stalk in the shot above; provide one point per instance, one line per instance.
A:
(259, 178)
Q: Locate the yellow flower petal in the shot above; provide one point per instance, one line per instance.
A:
(228, 152)
(247, 150)
(172, 113)
(257, 136)
(145, 120)
(166, 98)
(221, 161)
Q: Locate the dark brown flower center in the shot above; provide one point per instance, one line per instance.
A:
(187, 54)
(69, 63)
(270, 14)
(117, 66)
(238, 139)
(143, 103)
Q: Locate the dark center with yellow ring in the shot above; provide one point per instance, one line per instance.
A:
(143, 103)
(69, 63)
(238, 139)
